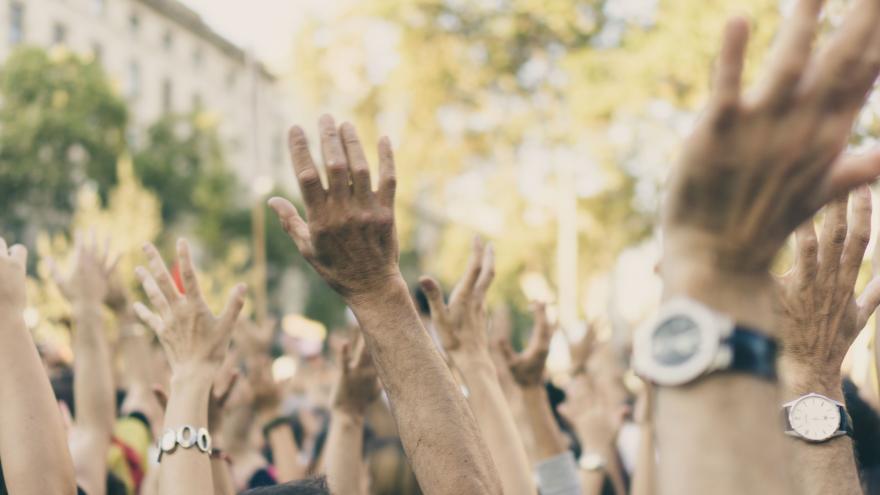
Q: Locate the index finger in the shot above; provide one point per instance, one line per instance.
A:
(304, 167)
(160, 274)
(857, 238)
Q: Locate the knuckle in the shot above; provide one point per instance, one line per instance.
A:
(389, 182)
(308, 177)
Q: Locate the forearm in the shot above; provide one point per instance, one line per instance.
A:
(436, 426)
(285, 454)
(221, 477)
(643, 477)
(94, 395)
(31, 433)
(345, 444)
(184, 471)
(545, 431)
(705, 429)
(495, 420)
(827, 467)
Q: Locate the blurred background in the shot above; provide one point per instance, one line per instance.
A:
(547, 127)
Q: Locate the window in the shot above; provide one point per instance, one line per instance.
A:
(99, 7)
(167, 96)
(168, 41)
(134, 23)
(59, 34)
(134, 79)
(16, 23)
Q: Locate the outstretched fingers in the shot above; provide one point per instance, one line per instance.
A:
(188, 272)
(807, 251)
(335, 161)
(849, 172)
(834, 228)
(154, 294)
(293, 224)
(857, 237)
(464, 288)
(233, 307)
(868, 301)
(791, 53)
(304, 167)
(728, 74)
(160, 274)
(149, 318)
(387, 174)
(487, 274)
(359, 168)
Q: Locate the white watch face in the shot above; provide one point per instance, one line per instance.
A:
(815, 418)
(676, 341)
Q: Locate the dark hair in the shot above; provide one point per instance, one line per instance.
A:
(312, 486)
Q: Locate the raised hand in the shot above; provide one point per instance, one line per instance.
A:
(528, 367)
(581, 350)
(13, 263)
(350, 240)
(187, 329)
(358, 384)
(89, 279)
(461, 323)
(350, 237)
(757, 166)
(820, 313)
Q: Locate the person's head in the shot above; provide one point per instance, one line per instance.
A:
(312, 486)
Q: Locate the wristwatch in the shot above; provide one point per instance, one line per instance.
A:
(591, 461)
(688, 340)
(816, 418)
(185, 437)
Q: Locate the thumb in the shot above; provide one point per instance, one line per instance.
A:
(434, 295)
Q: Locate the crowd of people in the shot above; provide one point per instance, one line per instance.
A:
(741, 388)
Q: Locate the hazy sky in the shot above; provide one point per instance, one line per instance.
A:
(266, 26)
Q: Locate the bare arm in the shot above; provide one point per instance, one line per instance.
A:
(821, 318)
(644, 477)
(94, 392)
(463, 329)
(351, 241)
(195, 343)
(754, 168)
(357, 388)
(31, 433)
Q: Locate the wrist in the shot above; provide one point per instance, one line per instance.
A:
(376, 293)
(472, 360)
(192, 374)
(746, 297)
(797, 379)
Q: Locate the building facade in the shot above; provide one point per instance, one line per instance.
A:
(163, 58)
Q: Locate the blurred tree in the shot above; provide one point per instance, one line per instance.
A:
(63, 126)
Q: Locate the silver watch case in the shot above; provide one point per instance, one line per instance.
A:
(789, 407)
(713, 352)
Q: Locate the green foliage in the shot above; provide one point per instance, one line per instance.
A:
(63, 127)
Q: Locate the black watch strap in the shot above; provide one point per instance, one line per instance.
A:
(753, 353)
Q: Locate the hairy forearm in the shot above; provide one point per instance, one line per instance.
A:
(827, 467)
(545, 431)
(344, 455)
(706, 429)
(496, 423)
(438, 430)
(184, 471)
(285, 454)
(31, 433)
(643, 478)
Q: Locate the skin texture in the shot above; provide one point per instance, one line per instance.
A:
(195, 343)
(357, 388)
(527, 369)
(820, 319)
(462, 327)
(755, 168)
(31, 431)
(86, 288)
(597, 421)
(351, 242)
(644, 476)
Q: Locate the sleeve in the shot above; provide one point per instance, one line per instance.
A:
(558, 475)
